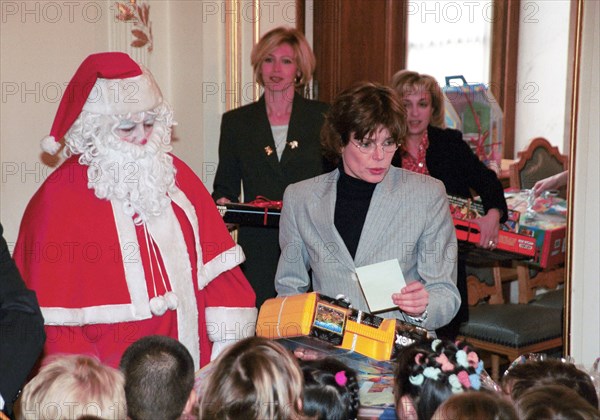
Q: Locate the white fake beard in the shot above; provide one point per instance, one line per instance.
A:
(139, 176)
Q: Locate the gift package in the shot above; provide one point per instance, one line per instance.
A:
(331, 326)
(260, 212)
(543, 219)
(480, 118)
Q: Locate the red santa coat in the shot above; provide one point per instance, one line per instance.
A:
(94, 271)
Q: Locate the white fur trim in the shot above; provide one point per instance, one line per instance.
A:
(219, 264)
(225, 323)
(122, 96)
(166, 232)
(50, 145)
(225, 261)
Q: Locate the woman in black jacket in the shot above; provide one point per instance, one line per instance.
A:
(270, 144)
(431, 149)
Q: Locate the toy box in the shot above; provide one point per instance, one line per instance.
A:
(510, 242)
(481, 119)
(325, 322)
(249, 214)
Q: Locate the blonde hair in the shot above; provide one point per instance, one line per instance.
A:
(255, 378)
(305, 59)
(407, 82)
(72, 386)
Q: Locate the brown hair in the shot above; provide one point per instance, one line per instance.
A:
(520, 378)
(476, 405)
(554, 402)
(305, 59)
(254, 378)
(72, 386)
(407, 82)
(361, 110)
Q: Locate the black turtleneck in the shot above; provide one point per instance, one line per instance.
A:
(351, 206)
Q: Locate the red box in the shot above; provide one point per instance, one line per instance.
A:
(507, 241)
(551, 244)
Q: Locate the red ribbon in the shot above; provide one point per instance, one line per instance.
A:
(261, 201)
(267, 204)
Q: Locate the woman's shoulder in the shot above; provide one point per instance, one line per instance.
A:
(312, 184)
(403, 179)
(250, 108)
(313, 104)
(446, 134)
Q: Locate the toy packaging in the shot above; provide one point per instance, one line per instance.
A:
(481, 119)
(324, 322)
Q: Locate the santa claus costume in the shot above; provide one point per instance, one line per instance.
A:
(123, 240)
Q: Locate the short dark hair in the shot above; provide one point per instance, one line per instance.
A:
(159, 377)
(361, 110)
(325, 397)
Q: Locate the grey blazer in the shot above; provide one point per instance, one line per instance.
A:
(408, 219)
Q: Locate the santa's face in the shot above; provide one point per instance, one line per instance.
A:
(136, 129)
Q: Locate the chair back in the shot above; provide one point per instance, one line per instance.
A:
(540, 160)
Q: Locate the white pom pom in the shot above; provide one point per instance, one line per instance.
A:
(172, 301)
(50, 145)
(158, 305)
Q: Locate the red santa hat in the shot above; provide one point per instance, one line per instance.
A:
(109, 83)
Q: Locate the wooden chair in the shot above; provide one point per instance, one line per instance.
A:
(508, 329)
(540, 160)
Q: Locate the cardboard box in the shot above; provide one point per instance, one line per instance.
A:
(551, 244)
(329, 323)
(515, 243)
(250, 215)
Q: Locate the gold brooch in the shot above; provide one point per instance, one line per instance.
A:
(268, 150)
(293, 144)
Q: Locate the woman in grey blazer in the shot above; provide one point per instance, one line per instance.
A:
(366, 212)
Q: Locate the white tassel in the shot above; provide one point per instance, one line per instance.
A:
(50, 145)
(172, 302)
(158, 305)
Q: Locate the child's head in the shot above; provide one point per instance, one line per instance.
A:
(159, 378)
(72, 386)
(431, 371)
(254, 378)
(476, 405)
(554, 402)
(520, 378)
(330, 390)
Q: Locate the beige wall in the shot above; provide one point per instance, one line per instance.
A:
(43, 42)
(585, 310)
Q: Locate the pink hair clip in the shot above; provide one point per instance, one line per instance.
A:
(340, 378)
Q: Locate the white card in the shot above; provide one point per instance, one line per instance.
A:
(379, 281)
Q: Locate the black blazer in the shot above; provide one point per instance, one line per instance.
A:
(450, 159)
(246, 132)
(21, 328)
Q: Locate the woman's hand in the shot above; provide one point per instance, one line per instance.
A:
(223, 200)
(412, 299)
(489, 226)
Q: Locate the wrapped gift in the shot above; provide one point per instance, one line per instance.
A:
(544, 220)
(331, 322)
(260, 212)
(481, 119)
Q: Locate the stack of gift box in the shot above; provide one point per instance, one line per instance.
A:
(535, 228)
